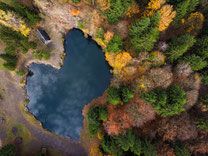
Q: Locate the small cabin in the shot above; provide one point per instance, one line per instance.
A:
(43, 36)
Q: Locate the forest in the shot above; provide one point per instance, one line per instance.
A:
(154, 104)
(157, 101)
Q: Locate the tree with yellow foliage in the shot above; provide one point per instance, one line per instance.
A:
(153, 5)
(95, 151)
(9, 19)
(118, 61)
(194, 22)
(167, 15)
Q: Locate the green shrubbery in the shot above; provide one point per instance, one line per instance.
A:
(115, 45)
(181, 150)
(178, 46)
(29, 16)
(76, 1)
(100, 33)
(95, 116)
(21, 72)
(127, 144)
(202, 124)
(115, 96)
(144, 33)
(168, 102)
(117, 9)
(8, 150)
(42, 54)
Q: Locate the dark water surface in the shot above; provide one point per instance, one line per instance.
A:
(57, 97)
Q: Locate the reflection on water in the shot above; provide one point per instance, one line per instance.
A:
(58, 97)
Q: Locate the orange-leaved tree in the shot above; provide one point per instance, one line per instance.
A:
(167, 15)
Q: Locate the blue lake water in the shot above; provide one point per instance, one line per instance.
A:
(57, 97)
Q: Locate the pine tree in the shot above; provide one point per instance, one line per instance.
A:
(144, 33)
(201, 46)
(178, 46)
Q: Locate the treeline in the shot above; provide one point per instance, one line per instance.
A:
(29, 16)
(14, 41)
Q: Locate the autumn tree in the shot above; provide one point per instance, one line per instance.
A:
(152, 6)
(193, 24)
(167, 15)
(178, 46)
(144, 33)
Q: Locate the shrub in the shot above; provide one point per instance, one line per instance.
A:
(42, 54)
(76, 1)
(8, 150)
(178, 46)
(21, 72)
(115, 45)
(144, 33)
(181, 150)
(100, 33)
(9, 66)
(204, 77)
(113, 96)
(196, 62)
(168, 102)
(126, 94)
(202, 124)
(204, 100)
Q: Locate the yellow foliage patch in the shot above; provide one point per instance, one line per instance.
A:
(95, 151)
(9, 19)
(153, 5)
(74, 12)
(194, 22)
(167, 15)
(132, 10)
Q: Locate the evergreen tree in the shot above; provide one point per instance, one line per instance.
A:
(201, 46)
(126, 94)
(178, 46)
(144, 33)
(113, 96)
(115, 45)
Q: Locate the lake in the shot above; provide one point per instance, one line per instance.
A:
(57, 97)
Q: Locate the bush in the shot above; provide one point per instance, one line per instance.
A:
(100, 33)
(94, 117)
(204, 100)
(9, 66)
(196, 62)
(21, 72)
(42, 54)
(8, 150)
(168, 102)
(144, 33)
(126, 94)
(202, 124)
(115, 45)
(76, 1)
(113, 96)
(178, 46)
(181, 150)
